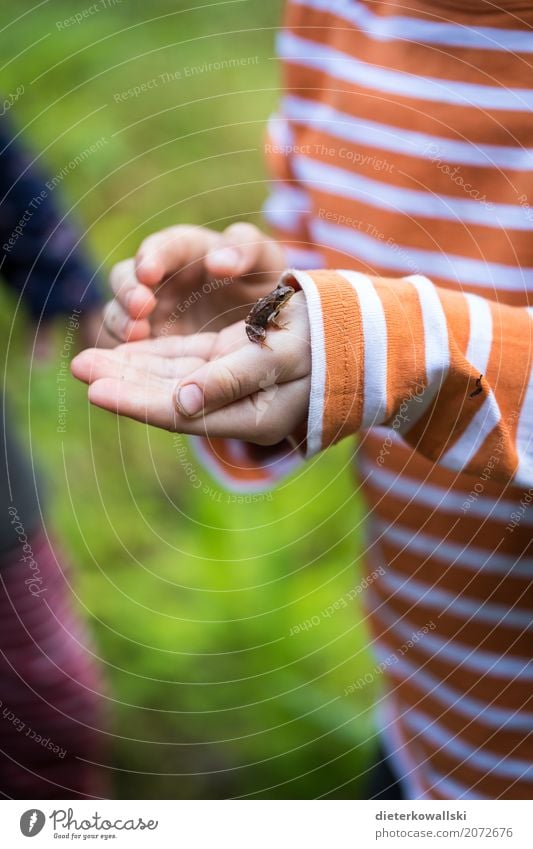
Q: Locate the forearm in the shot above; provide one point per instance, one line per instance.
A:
(406, 354)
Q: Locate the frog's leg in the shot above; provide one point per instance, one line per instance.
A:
(257, 335)
(273, 322)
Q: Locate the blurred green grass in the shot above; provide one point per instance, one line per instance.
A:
(191, 596)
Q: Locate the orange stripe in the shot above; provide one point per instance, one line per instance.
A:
(407, 563)
(448, 766)
(406, 352)
(498, 740)
(487, 184)
(464, 64)
(344, 389)
(477, 634)
(488, 688)
(405, 231)
(221, 457)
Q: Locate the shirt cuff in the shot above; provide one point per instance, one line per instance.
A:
(367, 351)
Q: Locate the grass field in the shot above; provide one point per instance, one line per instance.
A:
(191, 595)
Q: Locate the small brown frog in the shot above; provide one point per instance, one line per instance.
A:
(265, 312)
(479, 389)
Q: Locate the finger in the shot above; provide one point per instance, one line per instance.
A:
(244, 248)
(171, 250)
(137, 300)
(153, 404)
(190, 345)
(121, 326)
(145, 402)
(95, 364)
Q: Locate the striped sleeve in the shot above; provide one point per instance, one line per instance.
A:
(242, 467)
(449, 372)
(287, 209)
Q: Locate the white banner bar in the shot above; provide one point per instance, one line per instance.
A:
(267, 824)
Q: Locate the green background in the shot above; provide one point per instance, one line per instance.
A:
(191, 596)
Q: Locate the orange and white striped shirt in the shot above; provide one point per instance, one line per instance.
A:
(402, 155)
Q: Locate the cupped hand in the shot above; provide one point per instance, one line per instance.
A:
(209, 384)
(191, 279)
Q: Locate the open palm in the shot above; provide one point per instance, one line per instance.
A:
(215, 384)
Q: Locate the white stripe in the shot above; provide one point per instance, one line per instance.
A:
(470, 442)
(434, 497)
(457, 654)
(344, 66)
(358, 131)
(483, 712)
(318, 356)
(403, 28)
(415, 592)
(482, 759)
(283, 218)
(437, 353)
(286, 195)
(375, 348)
(401, 757)
(285, 207)
(300, 258)
(524, 435)
(401, 258)
(451, 788)
(280, 131)
(462, 555)
(435, 329)
(382, 194)
(480, 339)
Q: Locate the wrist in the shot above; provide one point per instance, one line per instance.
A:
(367, 353)
(336, 342)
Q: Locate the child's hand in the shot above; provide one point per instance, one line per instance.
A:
(214, 384)
(191, 279)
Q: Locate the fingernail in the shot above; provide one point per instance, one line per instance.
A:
(146, 263)
(230, 257)
(190, 399)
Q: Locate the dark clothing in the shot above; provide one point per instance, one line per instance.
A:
(39, 250)
(53, 719)
(19, 490)
(41, 259)
(382, 783)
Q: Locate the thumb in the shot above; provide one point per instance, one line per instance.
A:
(237, 375)
(219, 383)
